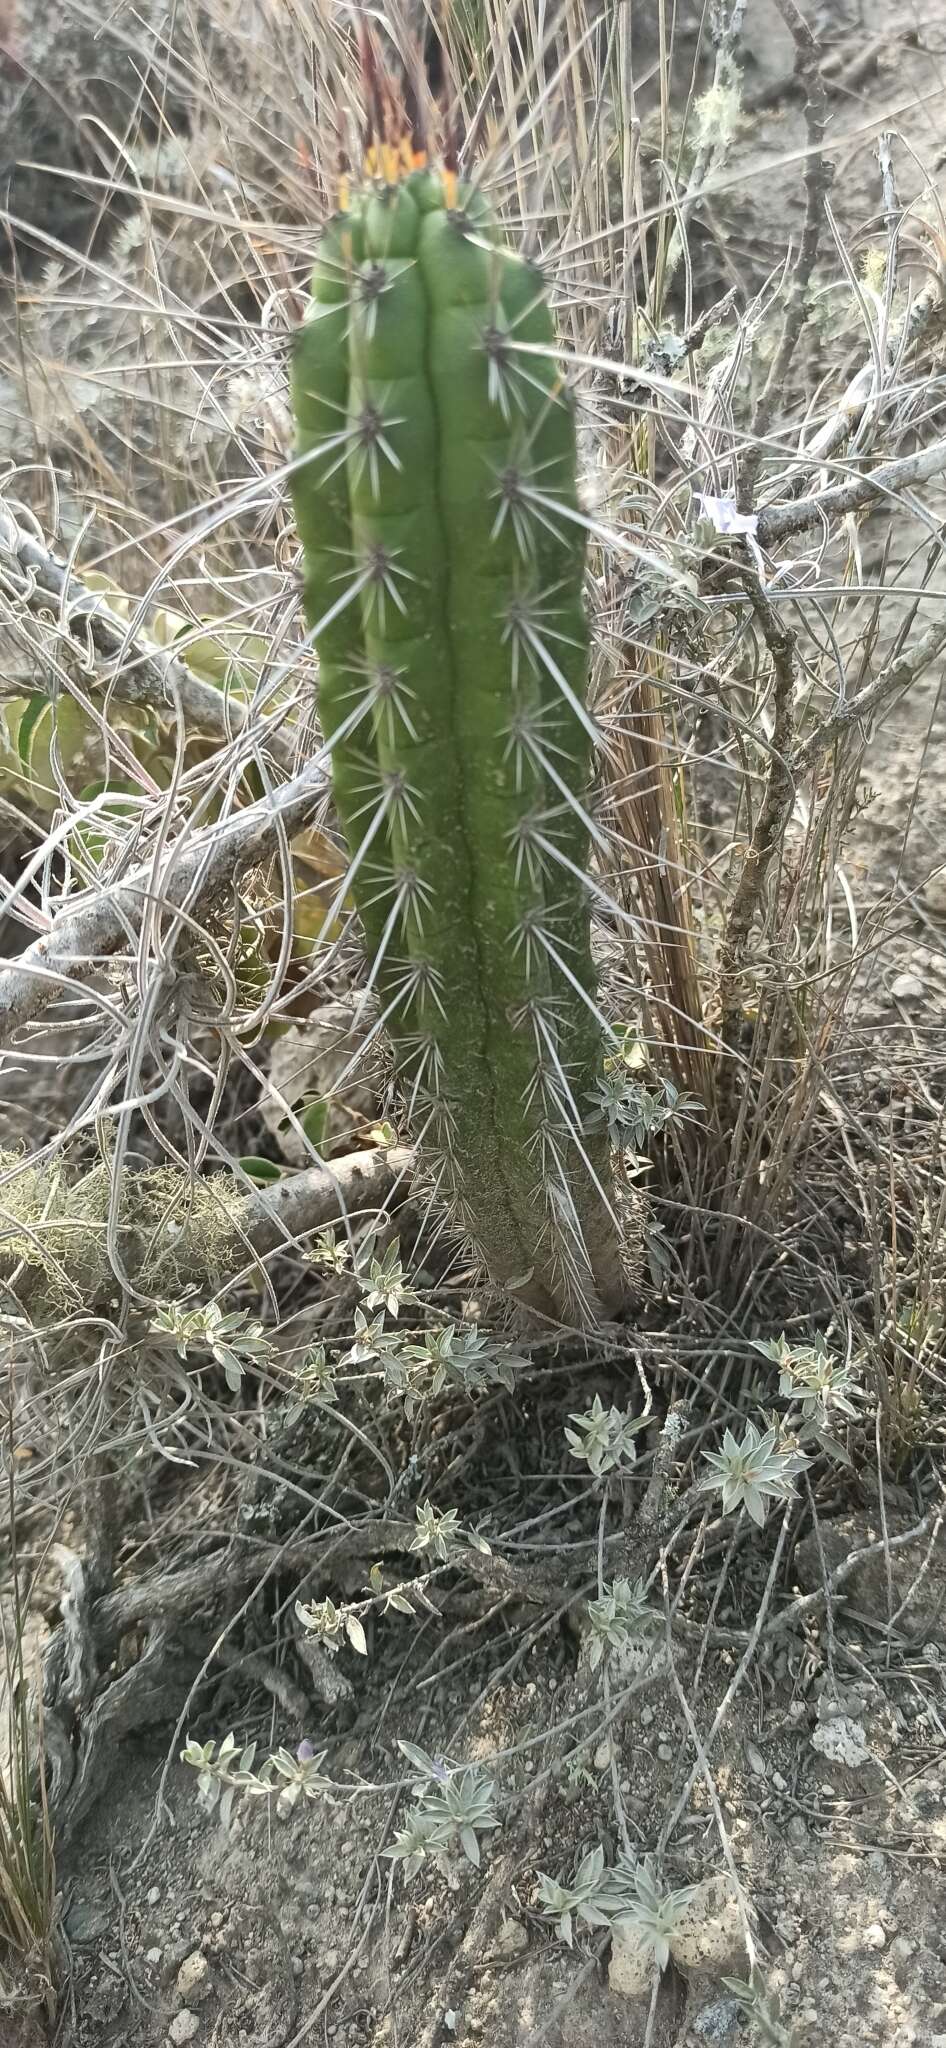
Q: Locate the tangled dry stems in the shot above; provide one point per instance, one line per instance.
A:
(736, 700)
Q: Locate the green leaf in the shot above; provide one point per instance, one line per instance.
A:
(833, 1448)
(314, 1120)
(74, 729)
(122, 798)
(262, 1171)
(28, 723)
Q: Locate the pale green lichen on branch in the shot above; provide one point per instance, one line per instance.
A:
(444, 556)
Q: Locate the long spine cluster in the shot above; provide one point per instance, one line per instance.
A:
(436, 501)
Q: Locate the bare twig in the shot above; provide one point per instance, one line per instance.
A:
(279, 1215)
(818, 176)
(808, 1604)
(778, 522)
(83, 936)
(726, 29)
(864, 706)
(774, 813)
(139, 672)
(849, 413)
(260, 1671)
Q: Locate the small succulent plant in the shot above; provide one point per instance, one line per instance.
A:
(632, 1112)
(458, 1355)
(620, 1614)
(224, 1772)
(234, 1341)
(753, 1472)
(384, 1285)
(823, 1386)
(604, 1437)
(635, 1899)
(332, 1625)
(453, 1806)
(626, 1894)
(580, 1900)
(439, 1531)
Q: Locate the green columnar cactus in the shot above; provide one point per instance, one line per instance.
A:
(435, 495)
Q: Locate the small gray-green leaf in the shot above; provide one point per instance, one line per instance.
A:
(356, 1634)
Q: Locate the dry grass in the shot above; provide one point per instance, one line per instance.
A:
(28, 1908)
(761, 605)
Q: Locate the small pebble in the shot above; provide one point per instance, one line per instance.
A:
(874, 1936)
(934, 893)
(797, 1832)
(779, 1782)
(907, 988)
(755, 1760)
(297, 1965)
(720, 2021)
(194, 1982)
(512, 1939)
(86, 1922)
(647, 1715)
(153, 1956)
(183, 2027)
(154, 1896)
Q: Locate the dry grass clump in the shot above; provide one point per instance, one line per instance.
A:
(760, 477)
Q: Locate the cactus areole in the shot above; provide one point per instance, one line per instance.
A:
(434, 488)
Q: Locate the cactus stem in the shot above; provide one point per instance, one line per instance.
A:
(426, 1061)
(378, 801)
(528, 930)
(391, 694)
(542, 510)
(410, 897)
(524, 738)
(359, 443)
(370, 436)
(371, 284)
(500, 382)
(423, 983)
(342, 604)
(360, 714)
(524, 628)
(530, 850)
(472, 774)
(514, 507)
(416, 897)
(528, 935)
(401, 798)
(380, 582)
(401, 992)
(545, 850)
